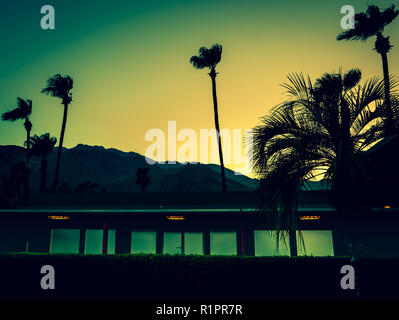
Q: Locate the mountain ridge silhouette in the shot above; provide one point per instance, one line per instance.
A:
(115, 170)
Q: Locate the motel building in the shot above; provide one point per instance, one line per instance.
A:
(181, 223)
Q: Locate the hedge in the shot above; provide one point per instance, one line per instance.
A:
(194, 277)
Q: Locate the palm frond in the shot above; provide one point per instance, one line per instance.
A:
(42, 145)
(370, 23)
(321, 130)
(388, 15)
(207, 58)
(198, 62)
(22, 111)
(351, 79)
(13, 115)
(59, 87)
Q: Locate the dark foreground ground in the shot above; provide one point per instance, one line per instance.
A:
(189, 277)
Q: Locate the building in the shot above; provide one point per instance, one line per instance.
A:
(205, 223)
(172, 223)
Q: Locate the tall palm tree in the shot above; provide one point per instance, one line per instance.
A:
(41, 147)
(23, 111)
(60, 87)
(369, 24)
(209, 58)
(319, 131)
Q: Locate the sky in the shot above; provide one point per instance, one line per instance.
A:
(130, 63)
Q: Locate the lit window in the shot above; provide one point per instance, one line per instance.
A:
(172, 243)
(193, 243)
(266, 244)
(223, 243)
(111, 241)
(317, 243)
(65, 241)
(144, 242)
(94, 241)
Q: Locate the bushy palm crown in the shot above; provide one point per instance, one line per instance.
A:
(43, 145)
(60, 87)
(207, 58)
(22, 111)
(319, 131)
(371, 23)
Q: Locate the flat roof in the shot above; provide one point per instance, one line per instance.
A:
(173, 200)
(160, 210)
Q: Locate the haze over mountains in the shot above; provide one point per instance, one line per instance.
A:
(115, 171)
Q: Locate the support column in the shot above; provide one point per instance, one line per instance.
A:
(241, 240)
(82, 240)
(123, 240)
(105, 237)
(293, 244)
(159, 241)
(207, 243)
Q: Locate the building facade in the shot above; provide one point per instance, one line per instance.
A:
(182, 223)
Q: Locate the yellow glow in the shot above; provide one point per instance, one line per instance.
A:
(120, 57)
(387, 207)
(176, 218)
(59, 218)
(307, 218)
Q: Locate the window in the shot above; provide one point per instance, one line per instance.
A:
(223, 243)
(317, 243)
(172, 243)
(111, 241)
(65, 241)
(144, 242)
(94, 241)
(193, 243)
(266, 244)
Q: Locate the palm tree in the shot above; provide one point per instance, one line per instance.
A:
(209, 58)
(41, 147)
(319, 131)
(369, 24)
(142, 178)
(23, 112)
(60, 87)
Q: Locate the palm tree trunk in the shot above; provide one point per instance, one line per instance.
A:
(215, 105)
(43, 174)
(27, 148)
(293, 244)
(340, 233)
(389, 113)
(26, 197)
(57, 167)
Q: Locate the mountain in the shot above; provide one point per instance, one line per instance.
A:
(115, 171)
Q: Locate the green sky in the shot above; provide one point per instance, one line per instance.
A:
(130, 62)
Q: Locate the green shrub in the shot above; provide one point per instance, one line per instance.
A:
(190, 277)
